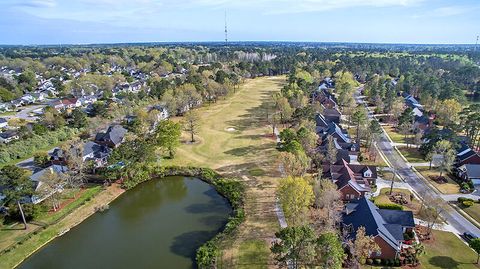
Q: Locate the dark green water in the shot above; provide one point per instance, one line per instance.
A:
(158, 224)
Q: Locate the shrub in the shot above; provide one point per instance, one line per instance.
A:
(390, 206)
(369, 262)
(464, 199)
(377, 261)
(467, 203)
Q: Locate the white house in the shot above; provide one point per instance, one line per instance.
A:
(3, 123)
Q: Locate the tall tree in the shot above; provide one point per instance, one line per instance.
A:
(330, 254)
(475, 245)
(295, 247)
(168, 135)
(17, 186)
(191, 123)
(328, 204)
(363, 247)
(359, 117)
(332, 150)
(296, 196)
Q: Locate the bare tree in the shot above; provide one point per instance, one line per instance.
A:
(52, 184)
(331, 150)
(328, 203)
(362, 248)
(191, 123)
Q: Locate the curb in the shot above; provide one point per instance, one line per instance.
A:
(465, 215)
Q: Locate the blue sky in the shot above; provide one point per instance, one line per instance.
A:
(112, 21)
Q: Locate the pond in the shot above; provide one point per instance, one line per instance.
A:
(158, 224)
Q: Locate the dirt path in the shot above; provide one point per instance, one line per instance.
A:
(235, 140)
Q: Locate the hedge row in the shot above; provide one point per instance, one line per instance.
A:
(390, 206)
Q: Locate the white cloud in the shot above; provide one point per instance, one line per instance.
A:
(35, 3)
(447, 11)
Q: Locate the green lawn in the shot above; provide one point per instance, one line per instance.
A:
(413, 205)
(394, 135)
(253, 254)
(473, 211)
(447, 251)
(411, 154)
(450, 187)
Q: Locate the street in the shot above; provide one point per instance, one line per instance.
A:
(405, 172)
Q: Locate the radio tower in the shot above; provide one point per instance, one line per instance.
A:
(226, 32)
(474, 49)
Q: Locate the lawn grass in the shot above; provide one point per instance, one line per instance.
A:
(411, 154)
(394, 135)
(382, 198)
(473, 211)
(447, 251)
(42, 236)
(253, 254)
(450, 187)
(235, 139)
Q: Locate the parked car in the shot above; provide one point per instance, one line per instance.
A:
(468, 236)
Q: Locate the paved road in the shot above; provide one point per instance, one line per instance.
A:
(452, 217)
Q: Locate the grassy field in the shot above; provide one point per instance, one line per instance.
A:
(235, 139)
(447, 251)
(450, 187)
(411, 154)
(254, 254)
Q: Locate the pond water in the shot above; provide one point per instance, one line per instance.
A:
(158, 224)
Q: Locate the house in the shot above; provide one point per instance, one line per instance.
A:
(386, 226)
(345, 151)
(28, 99)
(113, 137)
(466, 155)
(96, 152)
(67, 103)
(41, 190)
(410, 101)
(469, 172)
(352, 180)
(88, 99)
(8, 136)
(3, 123)
(39, 96)
(325, 127)
(332, 114)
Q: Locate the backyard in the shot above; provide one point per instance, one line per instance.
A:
(235, 139)
(36, 236)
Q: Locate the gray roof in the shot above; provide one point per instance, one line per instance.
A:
(387, 224)
(114, 134)
(2, 120)
(59, 169)
(473, 170)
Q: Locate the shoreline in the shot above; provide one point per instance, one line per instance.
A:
(73, 219)
(115, 191)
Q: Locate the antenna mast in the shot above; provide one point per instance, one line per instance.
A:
(476, 44)
(226, 32)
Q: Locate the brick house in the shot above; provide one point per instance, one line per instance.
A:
(352, 180)
(385, 225)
